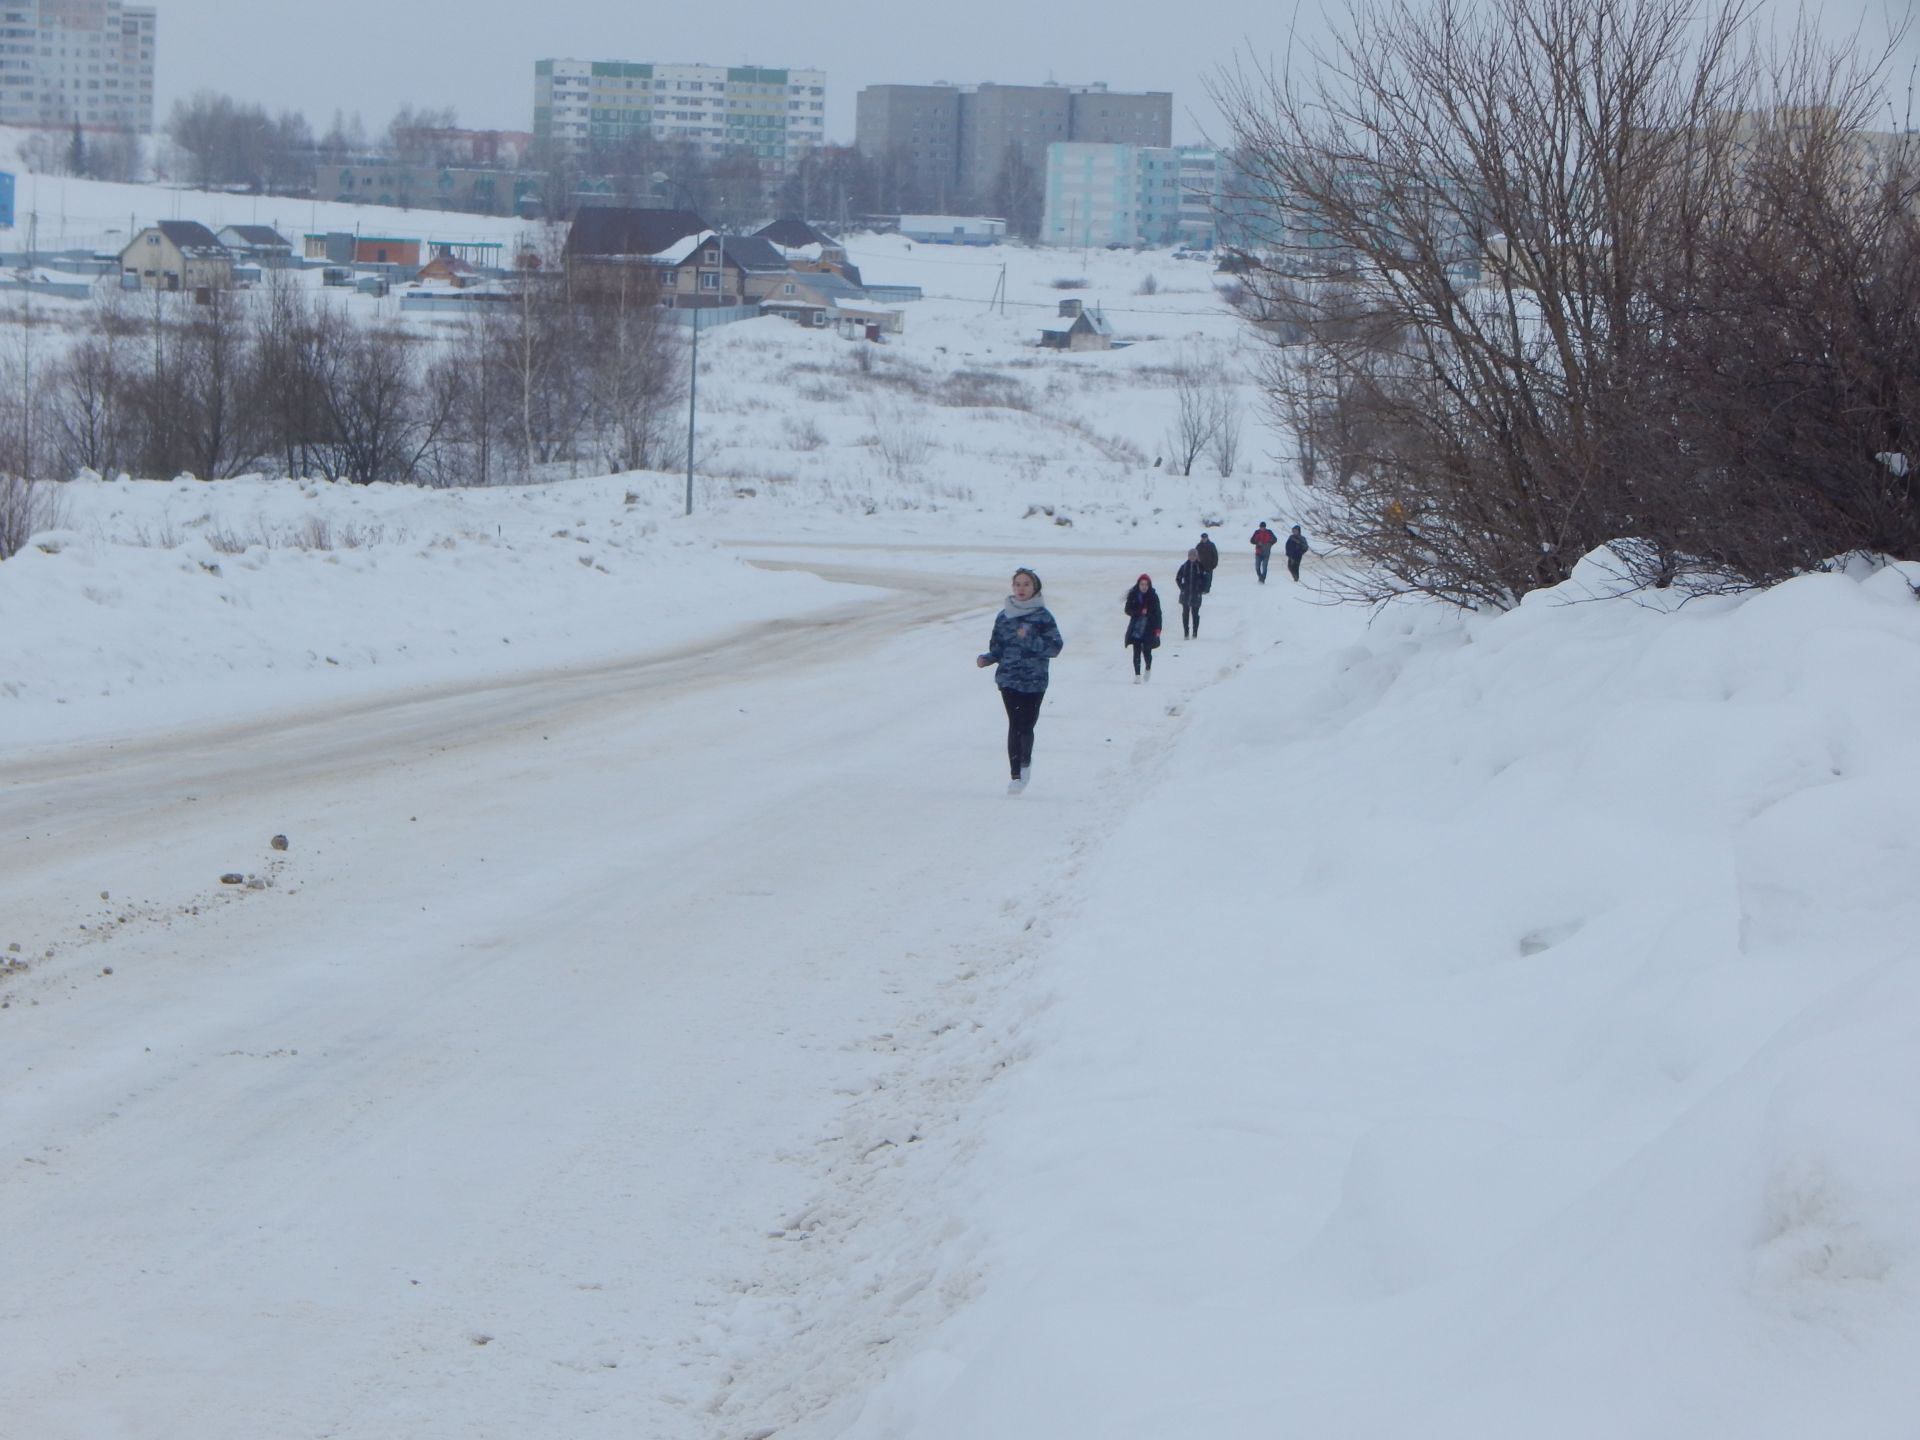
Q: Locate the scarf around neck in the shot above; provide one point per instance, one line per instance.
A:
(1018, 607)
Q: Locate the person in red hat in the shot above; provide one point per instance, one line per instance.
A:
(1143, 625)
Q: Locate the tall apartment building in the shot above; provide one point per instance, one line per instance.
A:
(84, 60)
(584, 106)
(915, 128)
(953, 139)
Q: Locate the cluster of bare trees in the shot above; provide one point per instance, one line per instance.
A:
(1550, 275)
(573, 371)
(217, 140)
(229, 142)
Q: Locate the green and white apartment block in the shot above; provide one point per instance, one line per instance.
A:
(584, 106)
(1098, 195)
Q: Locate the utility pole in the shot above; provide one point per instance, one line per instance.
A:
(693, 391)
(693, 363)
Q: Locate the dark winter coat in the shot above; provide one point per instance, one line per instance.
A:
(1142, 608)
(1209, 554)
(1296, 546)
(1021, 646)
(1193, 580)
(1264, 540)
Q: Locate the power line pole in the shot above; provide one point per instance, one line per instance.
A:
(693, 391)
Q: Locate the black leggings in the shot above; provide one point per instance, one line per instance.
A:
(1023, 710)
(1141, 651)
(1190, 616)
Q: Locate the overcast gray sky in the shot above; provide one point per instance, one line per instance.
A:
(374, 55)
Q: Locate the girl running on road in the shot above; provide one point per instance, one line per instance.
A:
(1025, 638)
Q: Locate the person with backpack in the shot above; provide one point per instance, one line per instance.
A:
(1296, 547)
(1025, 637)
(1263, 542)
(1193, 580)
(1142, 604)
(1209, 556)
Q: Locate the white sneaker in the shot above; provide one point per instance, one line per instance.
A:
(1016, 785)
(1149, 675)
(1136, 677)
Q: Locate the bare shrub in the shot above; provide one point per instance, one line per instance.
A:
(902, 439)
(1116, 448)
(28, 508)
(983, 389)
(804, 435)
(1148, 285)
(228, 541)
(313, 533)
(1071, 282)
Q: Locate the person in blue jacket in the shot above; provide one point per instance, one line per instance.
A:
(1025, 638)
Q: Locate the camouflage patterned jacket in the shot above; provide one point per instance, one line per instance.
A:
(1021, 647)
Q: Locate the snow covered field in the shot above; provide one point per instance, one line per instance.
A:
(661, 1022)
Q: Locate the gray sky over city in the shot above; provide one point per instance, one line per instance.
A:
(372, 56)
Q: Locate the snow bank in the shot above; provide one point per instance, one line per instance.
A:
(1499, 1027)
(165, 602)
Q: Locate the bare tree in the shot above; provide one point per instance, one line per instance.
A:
(92, 393)
(25, 365)
(1017, 193)
(26, 503)
(1196, 411)
(217, 424)
(631, 367)
(381, 423)
(1224, 446)
(286, 367)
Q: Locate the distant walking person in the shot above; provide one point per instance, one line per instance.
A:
(1193, 581)
(1296, 547)
(1142, 605)
(1209, 554)
(1263, 542)
(1025, 637)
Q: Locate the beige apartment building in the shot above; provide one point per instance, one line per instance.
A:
(89, 61)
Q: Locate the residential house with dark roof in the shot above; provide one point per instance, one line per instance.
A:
(257, 244)
(1078, 328)
(605, 234)
(178, 255)
(805, 248)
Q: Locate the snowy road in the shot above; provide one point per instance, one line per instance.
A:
(545, 1022)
